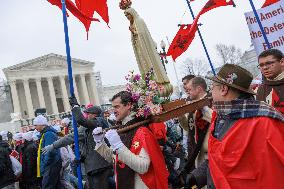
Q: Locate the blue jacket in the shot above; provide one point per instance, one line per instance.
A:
(49, 159)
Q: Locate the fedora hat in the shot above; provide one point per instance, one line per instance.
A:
(234, 76)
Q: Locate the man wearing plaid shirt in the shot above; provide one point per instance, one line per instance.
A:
(245, 147)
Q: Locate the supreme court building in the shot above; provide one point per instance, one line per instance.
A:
(43, 83)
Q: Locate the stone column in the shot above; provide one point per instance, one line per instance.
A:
(28, 98)
(52, 95)
(15, 97)
(64, 93)
(84, 89)
(40, 93)
(96, 99)
(76, 89)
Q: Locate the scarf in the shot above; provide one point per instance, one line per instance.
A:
(39, 156)
(244, 108)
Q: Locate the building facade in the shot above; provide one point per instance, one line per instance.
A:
(249, 61)
(43, 83)
(109, 91)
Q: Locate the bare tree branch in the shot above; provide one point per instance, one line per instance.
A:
(196, 67)
(229, 54)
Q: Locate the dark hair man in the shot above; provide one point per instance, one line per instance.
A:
(271, 65)
(198, 124)
(183, 119)
(185, 81)
(245, 146)
(140, 162)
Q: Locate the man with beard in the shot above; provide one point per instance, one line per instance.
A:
(271, 65)
(139, 160)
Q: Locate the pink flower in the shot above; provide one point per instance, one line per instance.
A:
(135, 97)
(136, 78)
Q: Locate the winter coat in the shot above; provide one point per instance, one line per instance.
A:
(92, 160)
(49, 159)
(29, 164)
(7, 176)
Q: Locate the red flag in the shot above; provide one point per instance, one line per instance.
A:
(187, 35)
(84, 18)
(89, 6)
(269, 2)
(181, 41)
(211, 4)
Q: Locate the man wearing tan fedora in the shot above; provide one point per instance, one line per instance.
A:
(245, 147)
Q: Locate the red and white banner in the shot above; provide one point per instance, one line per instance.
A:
(272, 19)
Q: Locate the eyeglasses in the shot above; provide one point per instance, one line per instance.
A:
(266, 64)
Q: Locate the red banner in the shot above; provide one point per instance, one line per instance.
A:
(185, 36)
(269, 2)
(181, 42)
(84, 10)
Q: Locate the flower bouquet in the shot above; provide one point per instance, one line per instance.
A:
(150, 105)
(145, 94)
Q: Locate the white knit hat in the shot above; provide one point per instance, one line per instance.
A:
(66, 120)
(28, 136)
(4, 135)
(40, 120)
(18, 136)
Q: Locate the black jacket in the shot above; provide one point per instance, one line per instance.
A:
(7, 176)
(29, 167)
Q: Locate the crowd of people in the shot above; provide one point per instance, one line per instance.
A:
(235, 142)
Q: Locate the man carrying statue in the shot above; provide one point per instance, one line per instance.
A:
(139, 162)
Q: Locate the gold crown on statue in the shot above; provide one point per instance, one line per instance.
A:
(125, 4)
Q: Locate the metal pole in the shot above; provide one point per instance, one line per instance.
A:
(71, 89)
(260, 24)
(201, 38)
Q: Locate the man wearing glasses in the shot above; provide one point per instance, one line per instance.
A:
(271, 65)
(245, 146)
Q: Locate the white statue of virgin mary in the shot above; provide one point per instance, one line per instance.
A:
(145, 51)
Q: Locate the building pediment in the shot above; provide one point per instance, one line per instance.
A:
(48, 62)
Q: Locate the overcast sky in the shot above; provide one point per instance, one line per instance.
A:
(33, 28)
